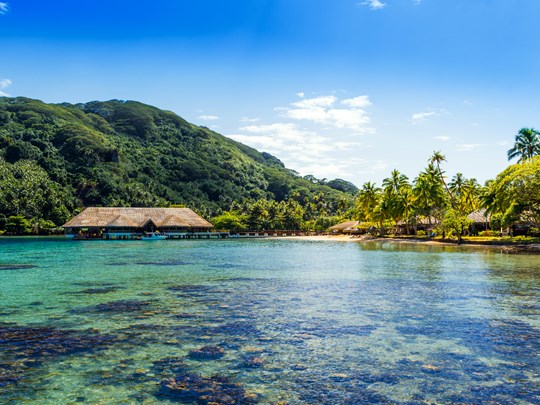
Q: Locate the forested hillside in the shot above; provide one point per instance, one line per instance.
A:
(57, 158)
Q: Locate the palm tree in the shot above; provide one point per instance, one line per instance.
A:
(526, 146)
(395, 182)
(367, 199)
(437, 158)
(398, 197)
(428, 192)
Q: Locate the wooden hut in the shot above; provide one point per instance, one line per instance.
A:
(344, 227)
(130, 222)
(480, 221)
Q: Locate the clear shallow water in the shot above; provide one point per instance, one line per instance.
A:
(298, 322)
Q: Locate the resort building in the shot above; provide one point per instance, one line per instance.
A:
(131, 223)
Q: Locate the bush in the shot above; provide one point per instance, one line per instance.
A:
(421, 233)
(489, 233)
(533, 231)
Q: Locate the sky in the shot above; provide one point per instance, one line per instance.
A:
(347, 89)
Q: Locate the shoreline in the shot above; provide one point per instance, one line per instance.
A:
(532, 248)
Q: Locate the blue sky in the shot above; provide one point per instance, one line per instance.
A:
(334, 88)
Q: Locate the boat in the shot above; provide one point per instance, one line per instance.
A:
(153, 236)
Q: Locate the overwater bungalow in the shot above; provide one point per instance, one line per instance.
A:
(132, 223)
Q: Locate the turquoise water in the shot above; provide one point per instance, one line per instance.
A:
(298, 322)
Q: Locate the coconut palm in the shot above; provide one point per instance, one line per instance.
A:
(428, 192)
(437, 158)
(367, 199)
(394, 183)
(526, 146)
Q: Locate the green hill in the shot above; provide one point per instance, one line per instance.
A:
(57, 158)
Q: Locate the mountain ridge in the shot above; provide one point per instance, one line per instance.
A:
(126, 153)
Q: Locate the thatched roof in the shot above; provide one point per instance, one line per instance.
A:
(172, 221)
(344, 226)
(129, 217)
(479, 216)
(121, 221)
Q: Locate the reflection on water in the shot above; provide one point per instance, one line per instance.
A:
(264, 321)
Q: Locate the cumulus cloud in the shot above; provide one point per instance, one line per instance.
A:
(374, 4)
(315, 135)
(4, 84)
(4, 8)
(357, 102)
(286, 139)
(208, 117)
(323, 110)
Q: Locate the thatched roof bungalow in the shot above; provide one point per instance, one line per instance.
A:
(344, 227)
(127, 221)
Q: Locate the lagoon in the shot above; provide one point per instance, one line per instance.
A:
(295, 322)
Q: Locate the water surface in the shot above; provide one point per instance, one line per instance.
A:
(293, 321)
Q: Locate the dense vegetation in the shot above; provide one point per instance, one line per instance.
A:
(513, 197)
(430, 202)
(56, 159)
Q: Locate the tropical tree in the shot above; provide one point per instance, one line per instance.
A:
(398, 196)
(465, 200)
(515, 193)
(526, 146)
(367, 200)
(437, 158)
(428, 192)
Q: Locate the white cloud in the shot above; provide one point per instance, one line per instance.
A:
(357, 102)
(251, 120)
(4, 8)
(317, 135)
(4, 83)
(286, 140)
(323, 101)
(442, 138)
(467, 147)
(374, 4)
(467, 103)
(417, 2)
(208, 117)
(322, 110)
(421, 116)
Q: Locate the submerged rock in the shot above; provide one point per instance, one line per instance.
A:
(9, 374)
(103, 290)
(115, 306)
(204, 390)
(39, 342)
(169, 263)
(207, 353)
(16, 266)
(25, 347)
(122, 306)
(169, 365)
(189, 288)
(252, 362)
